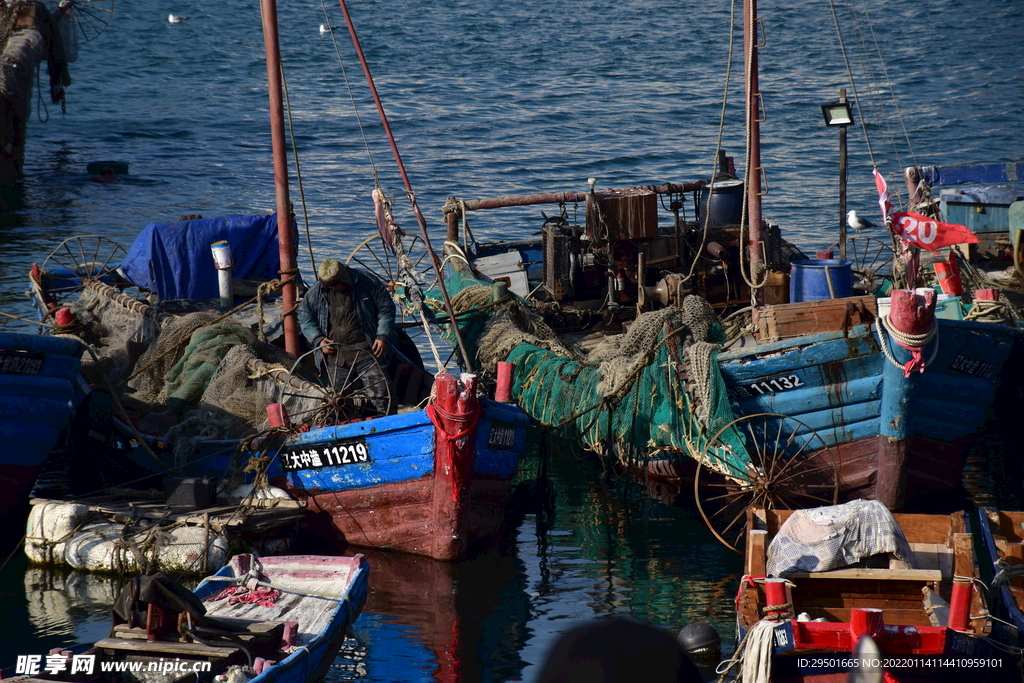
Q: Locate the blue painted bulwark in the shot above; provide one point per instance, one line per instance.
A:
(39, 390)
(976, 173)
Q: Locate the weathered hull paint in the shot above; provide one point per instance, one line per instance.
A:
(893, 438)
(417, 493)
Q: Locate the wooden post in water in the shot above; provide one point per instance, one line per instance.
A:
(286, 246)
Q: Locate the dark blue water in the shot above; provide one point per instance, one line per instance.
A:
(487, 99)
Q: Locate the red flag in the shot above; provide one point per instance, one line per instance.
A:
(928, 233)
(883, 196)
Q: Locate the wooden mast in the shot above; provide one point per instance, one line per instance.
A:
(286, 245)
(754, 170)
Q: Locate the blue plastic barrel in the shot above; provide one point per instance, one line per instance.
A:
(817, 279)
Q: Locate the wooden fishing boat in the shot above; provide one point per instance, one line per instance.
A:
(274, 618)
(927, 620)
(818, 398)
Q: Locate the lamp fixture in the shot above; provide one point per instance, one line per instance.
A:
(837, 114)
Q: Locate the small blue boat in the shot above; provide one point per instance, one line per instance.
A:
(278, 619)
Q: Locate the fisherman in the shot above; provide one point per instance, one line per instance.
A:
(348, 317)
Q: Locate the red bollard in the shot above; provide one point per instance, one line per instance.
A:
(987, 294)
(866, 621)
(506, 373)
(63, 317)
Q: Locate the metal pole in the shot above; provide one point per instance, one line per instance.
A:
(467, 363)
(754, 170)
(286, 246)
(842, 184)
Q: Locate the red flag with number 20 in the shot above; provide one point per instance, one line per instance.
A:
(928, 233)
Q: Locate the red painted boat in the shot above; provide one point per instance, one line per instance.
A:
(927, 621)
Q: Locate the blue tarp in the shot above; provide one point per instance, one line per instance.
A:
(174, 259)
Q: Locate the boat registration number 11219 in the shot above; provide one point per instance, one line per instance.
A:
(333, 454)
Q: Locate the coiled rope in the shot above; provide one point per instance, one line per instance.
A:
(912, 342)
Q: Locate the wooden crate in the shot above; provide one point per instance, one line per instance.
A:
(785, 321)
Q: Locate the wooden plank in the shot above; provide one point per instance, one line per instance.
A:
(963, 556)
(161, 647)
(755, 555)
(785, 321)
(872, 574)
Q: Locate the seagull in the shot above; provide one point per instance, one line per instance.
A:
(858, 223)
(176, 18)
(326, 29)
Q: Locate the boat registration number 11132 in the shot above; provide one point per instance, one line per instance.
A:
(333, 454)
(771, 386)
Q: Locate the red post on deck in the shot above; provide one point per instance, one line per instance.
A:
(286, 245)
(866, 621)
(506, 373)
(912, 313)
(960, 605)
(454, 413)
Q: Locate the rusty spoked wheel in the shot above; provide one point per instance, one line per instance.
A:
(786, 466)
(339, 393)
(872, 261)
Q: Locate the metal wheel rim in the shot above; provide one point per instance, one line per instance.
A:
(88, 257)
(90, 17)
(339, 401)
(872, 259)
(765, 493)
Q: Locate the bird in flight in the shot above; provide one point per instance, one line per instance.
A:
(858, 223)
(176, 18)
(326, 29)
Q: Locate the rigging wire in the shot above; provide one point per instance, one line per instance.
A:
(718, 146)
(888, 82)
(351, 95)
(298, 170)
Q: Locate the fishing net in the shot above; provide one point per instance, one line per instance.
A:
(654, 390)
(193, 377)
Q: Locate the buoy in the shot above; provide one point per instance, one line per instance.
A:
(118, 167)
(702, 645)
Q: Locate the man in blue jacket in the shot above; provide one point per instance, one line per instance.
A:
(348, 317)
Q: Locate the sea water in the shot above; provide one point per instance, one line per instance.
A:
(491, 99)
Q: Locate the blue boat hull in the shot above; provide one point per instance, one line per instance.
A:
(39, 391)
(893, 438)
(385, 483)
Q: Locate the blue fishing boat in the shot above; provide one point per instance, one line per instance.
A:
(822, 387)
(40, 394)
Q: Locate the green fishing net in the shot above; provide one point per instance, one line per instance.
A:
(652, 394)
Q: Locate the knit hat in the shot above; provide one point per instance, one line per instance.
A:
(332, 271)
